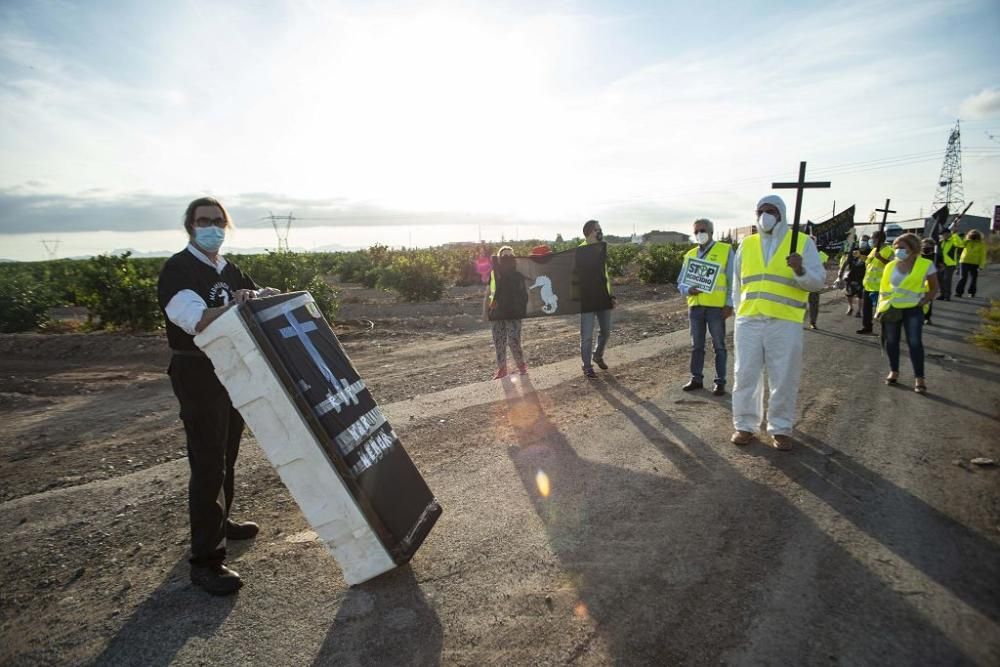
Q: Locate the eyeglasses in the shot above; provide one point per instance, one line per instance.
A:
(208, 222)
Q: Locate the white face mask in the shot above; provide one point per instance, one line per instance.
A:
(702, 238)
(902, 253)
(767, 222)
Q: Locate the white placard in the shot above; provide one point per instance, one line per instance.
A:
(702, 274)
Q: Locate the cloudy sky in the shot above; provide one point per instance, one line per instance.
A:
(422, 122)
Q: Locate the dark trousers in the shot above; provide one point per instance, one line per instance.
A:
(813, 307)
(913, 324)
(945, 274)
(970, 272)
(702, 317)
(213, 429)
(587, 351)
(867, 305)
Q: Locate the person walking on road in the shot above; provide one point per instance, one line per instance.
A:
(909, 284)
(929, 251)
(588, 354)
(972, 260)
(814, 296)
(708, 309)
(948, 248)
(770, 291)
(852, 273)
(875, 263)
(506, 294)
(195, 287)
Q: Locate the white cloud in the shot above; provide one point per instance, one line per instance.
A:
(984, 104)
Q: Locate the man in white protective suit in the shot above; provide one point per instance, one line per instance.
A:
(771, 288)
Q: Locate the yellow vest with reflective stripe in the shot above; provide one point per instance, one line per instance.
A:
(769, 290)
(717, 254)
(909, 292)
(875, 268)
(946, 250)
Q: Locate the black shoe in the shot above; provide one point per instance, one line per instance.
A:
(216, 578)
(927, 321)
(720, 390)
(241, 531)
(942, 298)
(863, 331)
(692, 385)
(589, 372)
(600, 363)
(812, 326)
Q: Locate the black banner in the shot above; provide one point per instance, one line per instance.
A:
(833, 231)
(344, 417)
(563, 283)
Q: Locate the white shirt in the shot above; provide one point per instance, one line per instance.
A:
(186, 308)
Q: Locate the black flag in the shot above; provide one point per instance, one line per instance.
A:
(564, 283)
(940, 218)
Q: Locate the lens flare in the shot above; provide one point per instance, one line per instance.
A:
(542, 481)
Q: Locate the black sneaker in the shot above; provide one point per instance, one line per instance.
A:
(863, 331)
(216, 578)
(589, 372)
(692, 385)
(241, 531)
(600, 363)
(720, 390)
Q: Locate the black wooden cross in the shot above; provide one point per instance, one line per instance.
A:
(799, 187)
(881, 226)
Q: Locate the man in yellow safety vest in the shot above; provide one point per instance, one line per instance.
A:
(771, 285)
(708, 262)
(874, 266)
(949, 247)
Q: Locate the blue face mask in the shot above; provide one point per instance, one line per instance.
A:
(209, 238)
(902, 253)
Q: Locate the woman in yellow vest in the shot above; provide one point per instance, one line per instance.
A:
(972, 260)
(909, 283)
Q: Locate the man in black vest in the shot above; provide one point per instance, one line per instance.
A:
(196, 286)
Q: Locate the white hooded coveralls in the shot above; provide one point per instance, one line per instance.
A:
(766, 343)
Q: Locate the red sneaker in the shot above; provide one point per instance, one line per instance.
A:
(501, 373)
(522, 369)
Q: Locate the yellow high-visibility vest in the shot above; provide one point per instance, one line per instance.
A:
(910, 291)
(717, 254)
(770, 290)
(875, 268)
(946, 250)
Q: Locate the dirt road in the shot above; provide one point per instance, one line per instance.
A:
(586, 522)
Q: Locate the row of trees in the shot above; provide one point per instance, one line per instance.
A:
(119, 291)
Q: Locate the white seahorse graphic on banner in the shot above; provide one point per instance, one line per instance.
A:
(549, 298)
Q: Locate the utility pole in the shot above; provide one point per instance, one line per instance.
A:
(281, 230)
(949, 189)
(51, 247)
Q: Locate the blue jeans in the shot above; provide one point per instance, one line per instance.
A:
(913, 323)
(700, 316)
(587, 351)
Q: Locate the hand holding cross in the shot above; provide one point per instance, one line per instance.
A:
(799, 186)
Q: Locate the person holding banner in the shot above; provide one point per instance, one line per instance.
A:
(592, 234)
(705, 281)
(506, 294)
(770, 292)
(195, 287)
